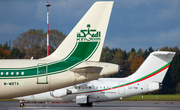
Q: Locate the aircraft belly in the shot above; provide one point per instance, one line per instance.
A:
(28, 86)
(20, 87)
(104, 96)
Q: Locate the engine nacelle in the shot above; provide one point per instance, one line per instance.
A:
(153, 86)
(82, 99)
(60, 93)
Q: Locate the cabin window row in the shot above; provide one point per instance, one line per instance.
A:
(12, 73)
(100, 87)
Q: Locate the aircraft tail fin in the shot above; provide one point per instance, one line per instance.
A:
(154, 67)
(85, 41)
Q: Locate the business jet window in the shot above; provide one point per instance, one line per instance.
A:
(12, 73)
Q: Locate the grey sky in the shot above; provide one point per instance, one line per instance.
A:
(133, 23)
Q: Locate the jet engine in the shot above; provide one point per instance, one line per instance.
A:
(60, 93)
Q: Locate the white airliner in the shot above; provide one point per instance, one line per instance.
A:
(147, 78)
(76, 60)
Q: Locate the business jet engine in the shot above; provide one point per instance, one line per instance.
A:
(60, 93)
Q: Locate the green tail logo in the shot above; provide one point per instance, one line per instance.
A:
(89, 35)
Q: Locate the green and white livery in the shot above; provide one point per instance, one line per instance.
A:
(76, 60)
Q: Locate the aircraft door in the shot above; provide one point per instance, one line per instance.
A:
(42, 77)
(121, 88)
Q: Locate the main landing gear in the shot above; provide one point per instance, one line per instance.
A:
(86, 105)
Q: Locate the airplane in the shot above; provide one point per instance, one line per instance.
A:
(147, 78)
(76, 60)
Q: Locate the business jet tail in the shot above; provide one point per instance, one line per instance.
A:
(154, 67)
(85, 41)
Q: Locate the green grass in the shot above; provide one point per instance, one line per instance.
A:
(153, 98)
(8, 100)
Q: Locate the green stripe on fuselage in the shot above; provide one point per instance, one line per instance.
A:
(82, 52)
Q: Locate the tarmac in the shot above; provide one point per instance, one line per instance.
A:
(115, 105)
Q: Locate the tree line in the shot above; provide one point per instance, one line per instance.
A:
(130, 61)
(33, 44)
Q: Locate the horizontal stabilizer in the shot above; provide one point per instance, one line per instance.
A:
(160, 53)
(89, 69)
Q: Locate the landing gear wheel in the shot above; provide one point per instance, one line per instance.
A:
(86, 105)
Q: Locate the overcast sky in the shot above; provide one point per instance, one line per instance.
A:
(133, 23)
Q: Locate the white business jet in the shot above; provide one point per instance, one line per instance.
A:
(75, 61)
(147, 78)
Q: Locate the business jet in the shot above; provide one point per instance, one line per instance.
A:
(147, 78)
(75, 61)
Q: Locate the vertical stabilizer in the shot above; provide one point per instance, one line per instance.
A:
(86, 40)
(154, 67)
